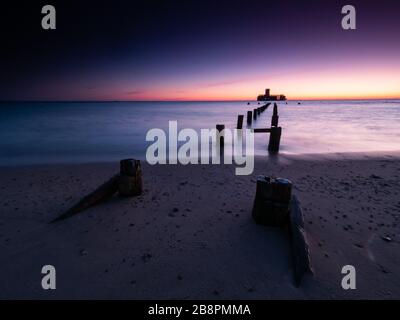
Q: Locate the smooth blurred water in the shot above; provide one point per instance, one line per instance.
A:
(33, 133)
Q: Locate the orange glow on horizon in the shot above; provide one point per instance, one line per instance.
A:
(322, 83)
(345, 83)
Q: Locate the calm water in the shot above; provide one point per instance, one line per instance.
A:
(32, 133)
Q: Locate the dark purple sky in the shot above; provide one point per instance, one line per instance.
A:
(167, 50)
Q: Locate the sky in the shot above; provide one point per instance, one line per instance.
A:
(199, 50)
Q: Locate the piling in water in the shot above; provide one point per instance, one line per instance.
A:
(249, 117)
(275, 117)
(220, 136)
(274, 139)
(239, 124)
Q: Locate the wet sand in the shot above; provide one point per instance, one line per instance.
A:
(191, 236)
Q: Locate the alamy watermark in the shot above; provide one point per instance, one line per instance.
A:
(49, 280)
(349, 20)
(49, 18)
(211, 146)
(349, 280)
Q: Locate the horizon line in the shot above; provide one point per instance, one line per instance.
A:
(188, 100)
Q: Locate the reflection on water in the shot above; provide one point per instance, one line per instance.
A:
(77, 132)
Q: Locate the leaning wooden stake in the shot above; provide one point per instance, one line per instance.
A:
(105, 191)
(301, 254)
(128, 182)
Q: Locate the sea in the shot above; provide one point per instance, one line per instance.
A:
(79, 132)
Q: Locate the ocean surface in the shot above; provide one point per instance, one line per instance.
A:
(48, 132)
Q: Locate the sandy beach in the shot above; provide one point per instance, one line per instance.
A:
(191, 235)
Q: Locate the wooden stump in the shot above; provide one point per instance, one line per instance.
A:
(275, 112)
(271, 204)
(249, 117)
(300, 249)
(255, 114)
(274, 139)
(130, 181)
(239, 124)
(275, 117)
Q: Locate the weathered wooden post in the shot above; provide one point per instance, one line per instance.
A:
(274, 139)
(300, 249)
(249, 117)
(258, 111)
(255, 114)
(239, 124)
(220, 136)
(130, 181)
(275, 117)
(271, 204)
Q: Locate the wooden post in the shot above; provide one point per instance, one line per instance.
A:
(271, 204)
(220, 137)
(239, 124)
(274, 120)
(256, 130)
(255, 114)
(274, 139)
(258, 111)
(249, 117)
(275, 117)
(275, 112)
(130, 182)
(300, 249)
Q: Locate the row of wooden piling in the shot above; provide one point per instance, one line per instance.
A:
(275, 131)
(251, 115)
